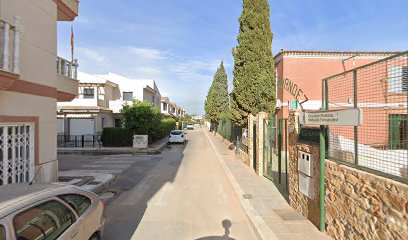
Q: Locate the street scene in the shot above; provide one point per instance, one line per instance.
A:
(201, 120)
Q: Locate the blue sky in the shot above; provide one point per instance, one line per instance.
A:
(181, 43)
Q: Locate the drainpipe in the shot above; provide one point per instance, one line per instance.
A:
(321, 177)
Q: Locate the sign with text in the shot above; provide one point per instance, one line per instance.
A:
(341, 117)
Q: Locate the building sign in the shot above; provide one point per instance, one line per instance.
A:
(342, 117)
(293, 89)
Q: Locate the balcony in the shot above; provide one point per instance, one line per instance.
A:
(67, 9)
(9, 53)
(67, 84)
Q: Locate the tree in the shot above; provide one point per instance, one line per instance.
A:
(254, 77)
(217, 101)
(141, 117)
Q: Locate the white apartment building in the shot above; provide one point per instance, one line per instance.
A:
(171, 110)
(98, 104)
(139, 89)
(89, 112)
(32, 79)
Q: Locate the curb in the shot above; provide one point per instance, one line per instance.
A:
(261, 228)
(102, 151)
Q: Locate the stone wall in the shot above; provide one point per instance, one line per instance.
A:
(361, 205)
(300, 202)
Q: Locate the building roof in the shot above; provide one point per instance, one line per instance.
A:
(165, 99)
(317, 53)
(84, 108)
(85, 78)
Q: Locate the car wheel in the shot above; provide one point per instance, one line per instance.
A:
(95, 236)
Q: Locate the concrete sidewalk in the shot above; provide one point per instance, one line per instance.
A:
(271, 216)
(155, 148)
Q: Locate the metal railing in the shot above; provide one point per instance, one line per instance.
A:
(380, 90)
(67, 68)
(79, 141)
(9, 46)
(231, 131)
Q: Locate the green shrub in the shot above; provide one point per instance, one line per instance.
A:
(117, 137)
(163, 129)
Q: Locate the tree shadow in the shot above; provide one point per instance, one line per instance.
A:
(124, 213)
(226, 224)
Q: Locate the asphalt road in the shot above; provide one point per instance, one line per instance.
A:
(182, 193)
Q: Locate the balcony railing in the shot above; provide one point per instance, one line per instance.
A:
(9, 46)
(67, 68)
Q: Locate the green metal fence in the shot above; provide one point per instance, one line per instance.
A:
(380, 90)
(233, 132)
(275, 153)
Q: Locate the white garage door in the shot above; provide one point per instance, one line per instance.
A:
(81, 126)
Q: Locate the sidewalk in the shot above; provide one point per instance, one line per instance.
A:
(155, 148)
(271, 216)
(86, 179)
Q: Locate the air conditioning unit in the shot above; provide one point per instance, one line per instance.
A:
(278, 103)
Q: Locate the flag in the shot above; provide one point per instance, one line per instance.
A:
(72, 44)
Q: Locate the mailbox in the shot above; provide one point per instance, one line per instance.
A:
(305, 164)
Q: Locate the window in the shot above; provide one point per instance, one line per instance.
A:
(127, 96)
(16, 152)
(78, 202)
(118, 123)
(103, 122)
(2, 233)
(89, 92)
(397, 79)
(164, 106)
(45, 221)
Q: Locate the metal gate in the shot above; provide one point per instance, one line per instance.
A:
(16, 152)
(275, 153)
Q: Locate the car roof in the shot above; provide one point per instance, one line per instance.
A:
(176, 130)
(15, 194)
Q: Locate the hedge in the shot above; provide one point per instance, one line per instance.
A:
(123, 137)
(117, 137)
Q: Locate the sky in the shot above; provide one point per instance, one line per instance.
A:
(180, 43)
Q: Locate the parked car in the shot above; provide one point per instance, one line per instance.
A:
(177, 136)
(49, 211)
(190, 126)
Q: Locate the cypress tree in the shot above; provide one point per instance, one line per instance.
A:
(217, 101)
(254, 77)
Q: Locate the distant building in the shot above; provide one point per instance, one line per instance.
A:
(170, 109)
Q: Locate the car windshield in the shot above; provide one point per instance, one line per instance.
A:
(176, 132)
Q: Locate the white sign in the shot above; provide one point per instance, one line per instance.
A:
(140, 141)
(341, 117)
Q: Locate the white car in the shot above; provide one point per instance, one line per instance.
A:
(49, 211)
(190, 126)
(177, 136)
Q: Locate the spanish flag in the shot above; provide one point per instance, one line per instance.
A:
(72, 44)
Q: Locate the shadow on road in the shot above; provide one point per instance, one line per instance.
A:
(226, 224)
(125, 212)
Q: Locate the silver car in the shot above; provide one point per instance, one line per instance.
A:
(49, 211)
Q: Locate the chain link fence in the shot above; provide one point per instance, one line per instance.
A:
(380, 90)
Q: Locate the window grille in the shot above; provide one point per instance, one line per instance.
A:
(16, 153)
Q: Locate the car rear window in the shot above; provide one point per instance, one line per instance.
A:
(45, 221)
(176, 132)
(2, 232)
(78, 202)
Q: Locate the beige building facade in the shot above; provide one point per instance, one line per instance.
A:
(32, 79)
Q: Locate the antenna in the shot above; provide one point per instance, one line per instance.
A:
(35, 175)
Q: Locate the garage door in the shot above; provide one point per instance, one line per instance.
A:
(81, 126)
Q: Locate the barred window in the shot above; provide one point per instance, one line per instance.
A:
(397, 79)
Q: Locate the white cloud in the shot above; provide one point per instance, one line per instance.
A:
(95, 56)
(147, 53)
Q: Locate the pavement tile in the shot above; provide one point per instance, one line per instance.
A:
(267, 201)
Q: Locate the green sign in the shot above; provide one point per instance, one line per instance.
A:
(293, 105)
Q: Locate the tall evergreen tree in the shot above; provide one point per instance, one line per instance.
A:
(254, 77)
(217, 101)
